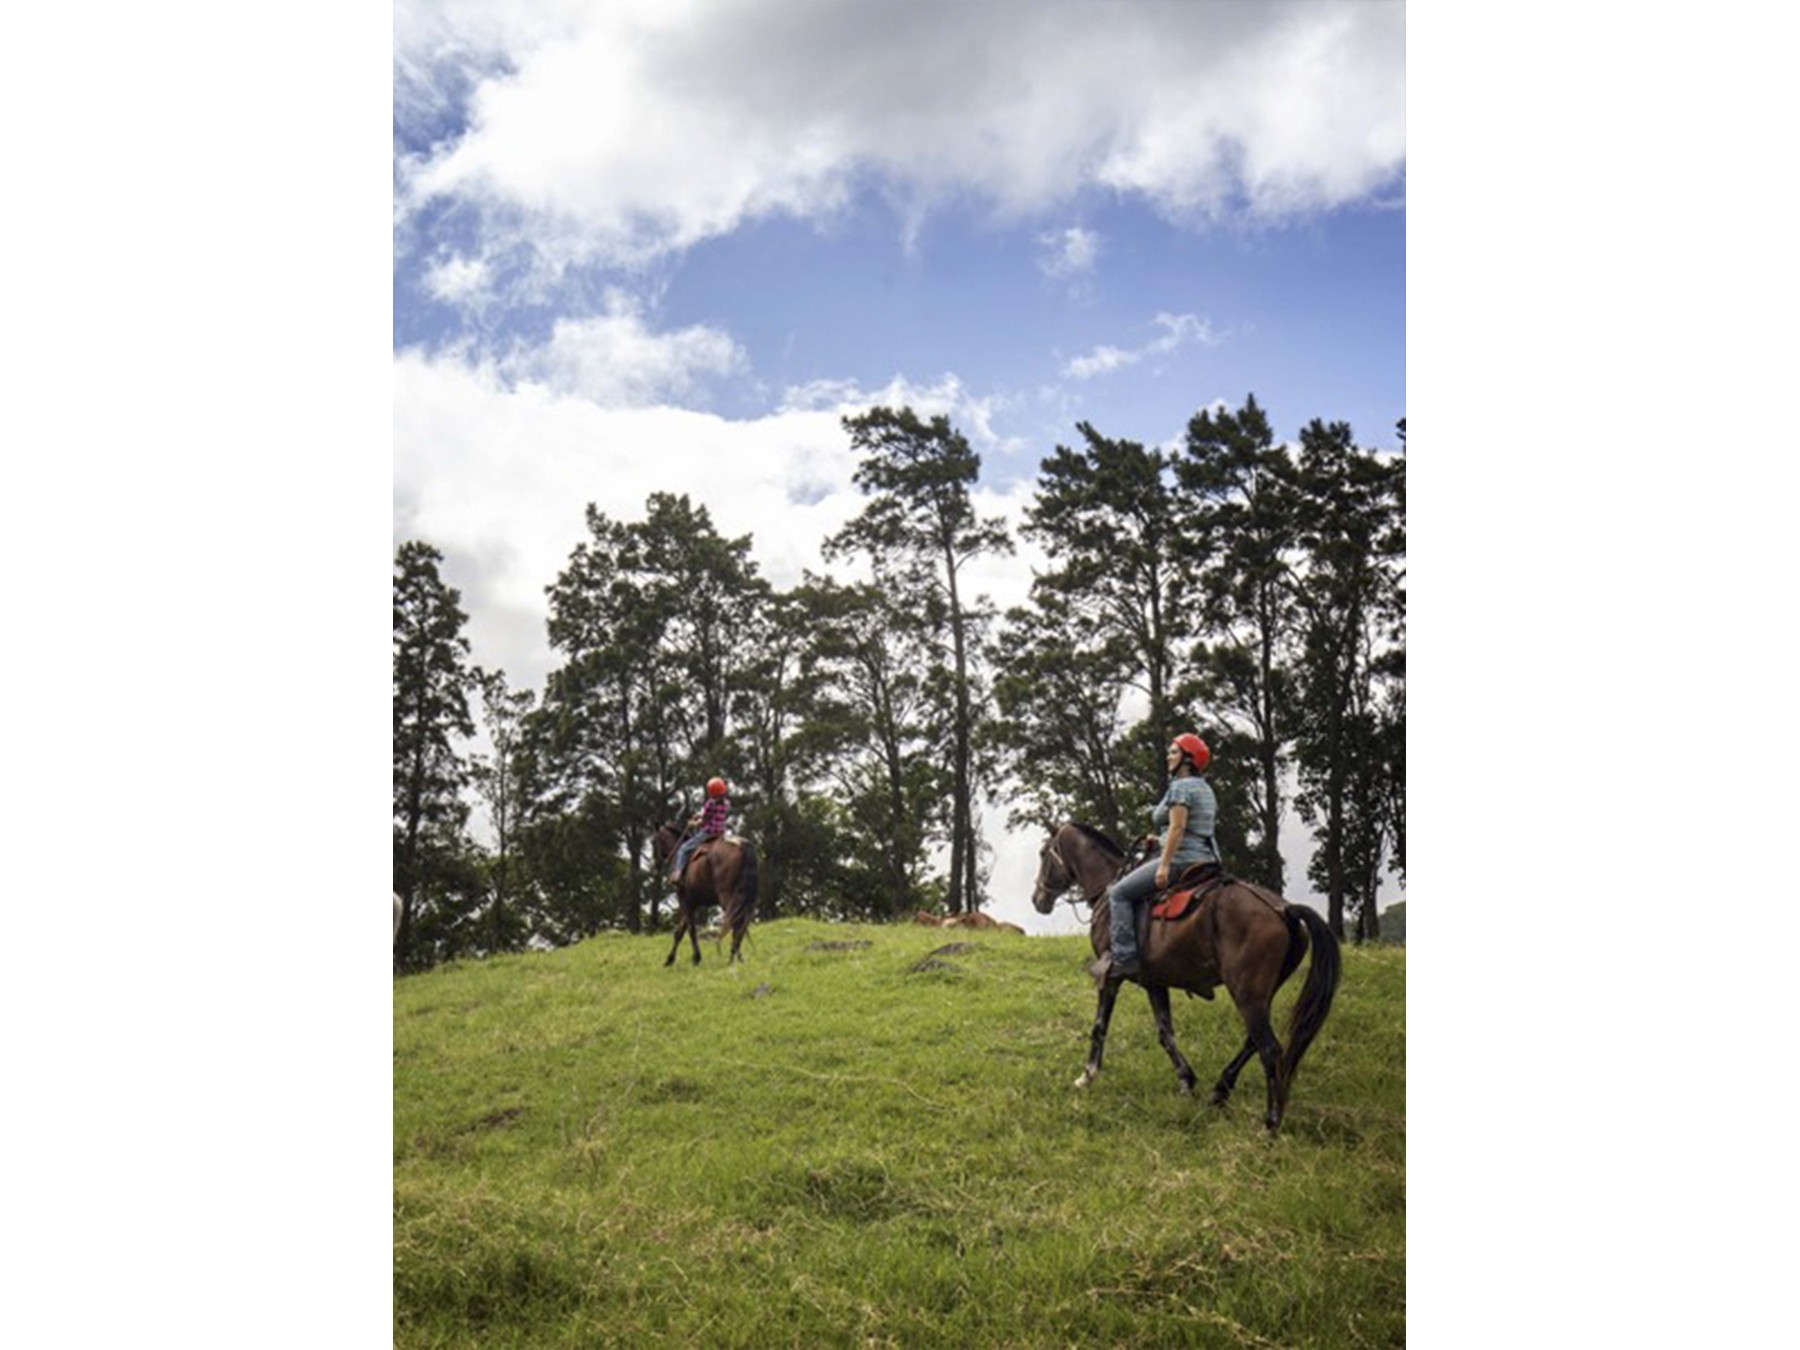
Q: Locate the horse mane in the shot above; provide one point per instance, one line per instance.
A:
(1099, 838)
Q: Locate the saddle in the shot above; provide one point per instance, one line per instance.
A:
(704, 845)
(1189, 891)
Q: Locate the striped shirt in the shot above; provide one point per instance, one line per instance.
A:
(1195, 844)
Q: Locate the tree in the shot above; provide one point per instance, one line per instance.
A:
(1239, 490)
(431, 711)
(782, 737)
(1060, 692)
(873, 731)
(656, 622)
(1118, 604)
(707, 591)
(496, 777)
(601, 738)
(920, 531)
(1352, 539)
(1107, 517)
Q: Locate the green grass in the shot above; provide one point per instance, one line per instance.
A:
(592, 1150)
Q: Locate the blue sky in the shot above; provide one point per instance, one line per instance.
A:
(667, 246)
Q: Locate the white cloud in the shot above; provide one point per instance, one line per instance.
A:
(1099, 362)
(495, 471)
(459, 280)
(496, 474)
(1068, 253)
(581, 116)
(616, 360)
(973, 416)
(1177, 329)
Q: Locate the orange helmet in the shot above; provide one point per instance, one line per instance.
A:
(1194, 748)
(715, 787)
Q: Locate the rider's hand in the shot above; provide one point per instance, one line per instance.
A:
(1162, 875)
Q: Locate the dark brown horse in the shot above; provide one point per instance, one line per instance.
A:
(1245, 937)
(722, 873)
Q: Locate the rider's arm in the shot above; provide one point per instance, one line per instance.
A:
(1178, 818)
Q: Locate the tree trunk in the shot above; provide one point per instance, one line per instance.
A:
(962, 898)
(634, 885)
(900, 894)
(1270, 752)
(409, 896)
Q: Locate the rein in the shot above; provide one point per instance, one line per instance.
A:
(1089, 900)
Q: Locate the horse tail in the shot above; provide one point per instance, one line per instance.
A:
(1297, 947)
(1316, 995)
(746, 891)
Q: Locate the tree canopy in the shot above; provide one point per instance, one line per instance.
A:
(1249, 590)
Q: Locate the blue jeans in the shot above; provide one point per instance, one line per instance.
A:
(1124, 896)
(686, 851)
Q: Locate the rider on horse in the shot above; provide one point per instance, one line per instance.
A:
(709, 824)
(1186, 815)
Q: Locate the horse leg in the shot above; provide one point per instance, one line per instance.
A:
(1254, 1010)
(683, 923)
(1109, 995)
(1228, 1080)
(693, 932)
(737, 932)
(1165, 1032)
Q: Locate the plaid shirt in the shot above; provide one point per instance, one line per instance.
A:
(712, 817)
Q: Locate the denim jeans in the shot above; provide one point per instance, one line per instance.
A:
(1125, 895)
(686, 851)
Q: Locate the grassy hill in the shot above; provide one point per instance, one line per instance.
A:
(827, 1146)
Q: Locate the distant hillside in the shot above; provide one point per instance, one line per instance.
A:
(867, 1135)
(1393, 923)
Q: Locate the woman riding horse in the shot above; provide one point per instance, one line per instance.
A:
(725, 874)
(1245, 937)
(1186, 814)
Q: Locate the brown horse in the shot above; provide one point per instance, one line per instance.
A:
(721, 873)
(1245, 937)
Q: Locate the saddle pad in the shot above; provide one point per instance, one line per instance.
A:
(1178, 904)
(1174, 906)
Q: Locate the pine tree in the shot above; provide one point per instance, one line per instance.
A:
(920, 532)
(431, 711)
(1352, 538)
(496, 777)
(1238, 490)
(873, 730)
(1121, 594)
(602, 744)
(1061, 692)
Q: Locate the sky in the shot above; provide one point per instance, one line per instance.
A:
(644, 247)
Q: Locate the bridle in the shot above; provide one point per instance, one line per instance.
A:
(1068, 873)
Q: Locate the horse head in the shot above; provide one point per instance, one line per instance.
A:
(1054, 873)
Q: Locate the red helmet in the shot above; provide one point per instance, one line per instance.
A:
(715, 787)
(1194, 748)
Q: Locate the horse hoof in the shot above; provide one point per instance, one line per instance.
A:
(1220, 1096)
(1185, 1088)
(1084, 1080)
